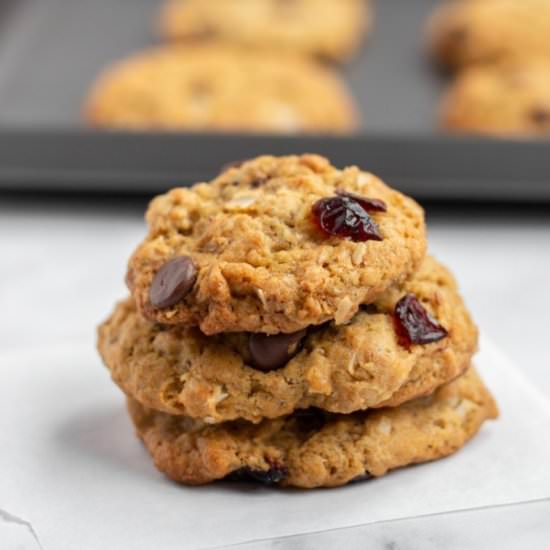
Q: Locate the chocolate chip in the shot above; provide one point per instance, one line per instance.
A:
(274, 475)
(173, 281)
(362, 477)
(371, 309)
(540, 116)
(270, 352)
(309, 420)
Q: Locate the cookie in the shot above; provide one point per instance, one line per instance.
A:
(331, 29)
(487, 31)
(508, 100)
(218, 87)
(341, 369)
(314, 449)
(274, 245)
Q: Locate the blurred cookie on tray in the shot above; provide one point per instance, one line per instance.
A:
(465, 32)
(331, 29)
(510, 100)
(215, 86)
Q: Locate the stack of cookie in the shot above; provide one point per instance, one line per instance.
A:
(501, 52)
(239, 65)
(285, 325)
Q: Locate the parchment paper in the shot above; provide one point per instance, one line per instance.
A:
(74, 475)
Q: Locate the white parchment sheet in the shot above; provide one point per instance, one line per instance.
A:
(73, 472)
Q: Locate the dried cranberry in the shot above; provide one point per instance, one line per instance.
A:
(370, 205)
(345, 216)
(414, 325)
(274, 475)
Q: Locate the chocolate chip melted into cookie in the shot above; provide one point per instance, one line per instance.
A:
(363, 477)
(270, 352)
(370, 308)
(308, 421)
(274, 475)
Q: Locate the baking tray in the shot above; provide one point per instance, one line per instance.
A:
(51, 51)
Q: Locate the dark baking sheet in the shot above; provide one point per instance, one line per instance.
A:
(51, 51)
(55, 48)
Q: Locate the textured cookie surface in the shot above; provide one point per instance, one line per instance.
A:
(327, 28)
(313, 449)
(487, 31)
(200, 87)
(338, 368)
(511, 99)
(263, 264)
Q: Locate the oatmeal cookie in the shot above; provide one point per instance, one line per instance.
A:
(274, 245)
(219, 87)
(512, 99)
(487, 31)
(314, 449)
(330, 29)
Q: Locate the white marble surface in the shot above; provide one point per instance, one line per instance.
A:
(62, 268)
(511, 527)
